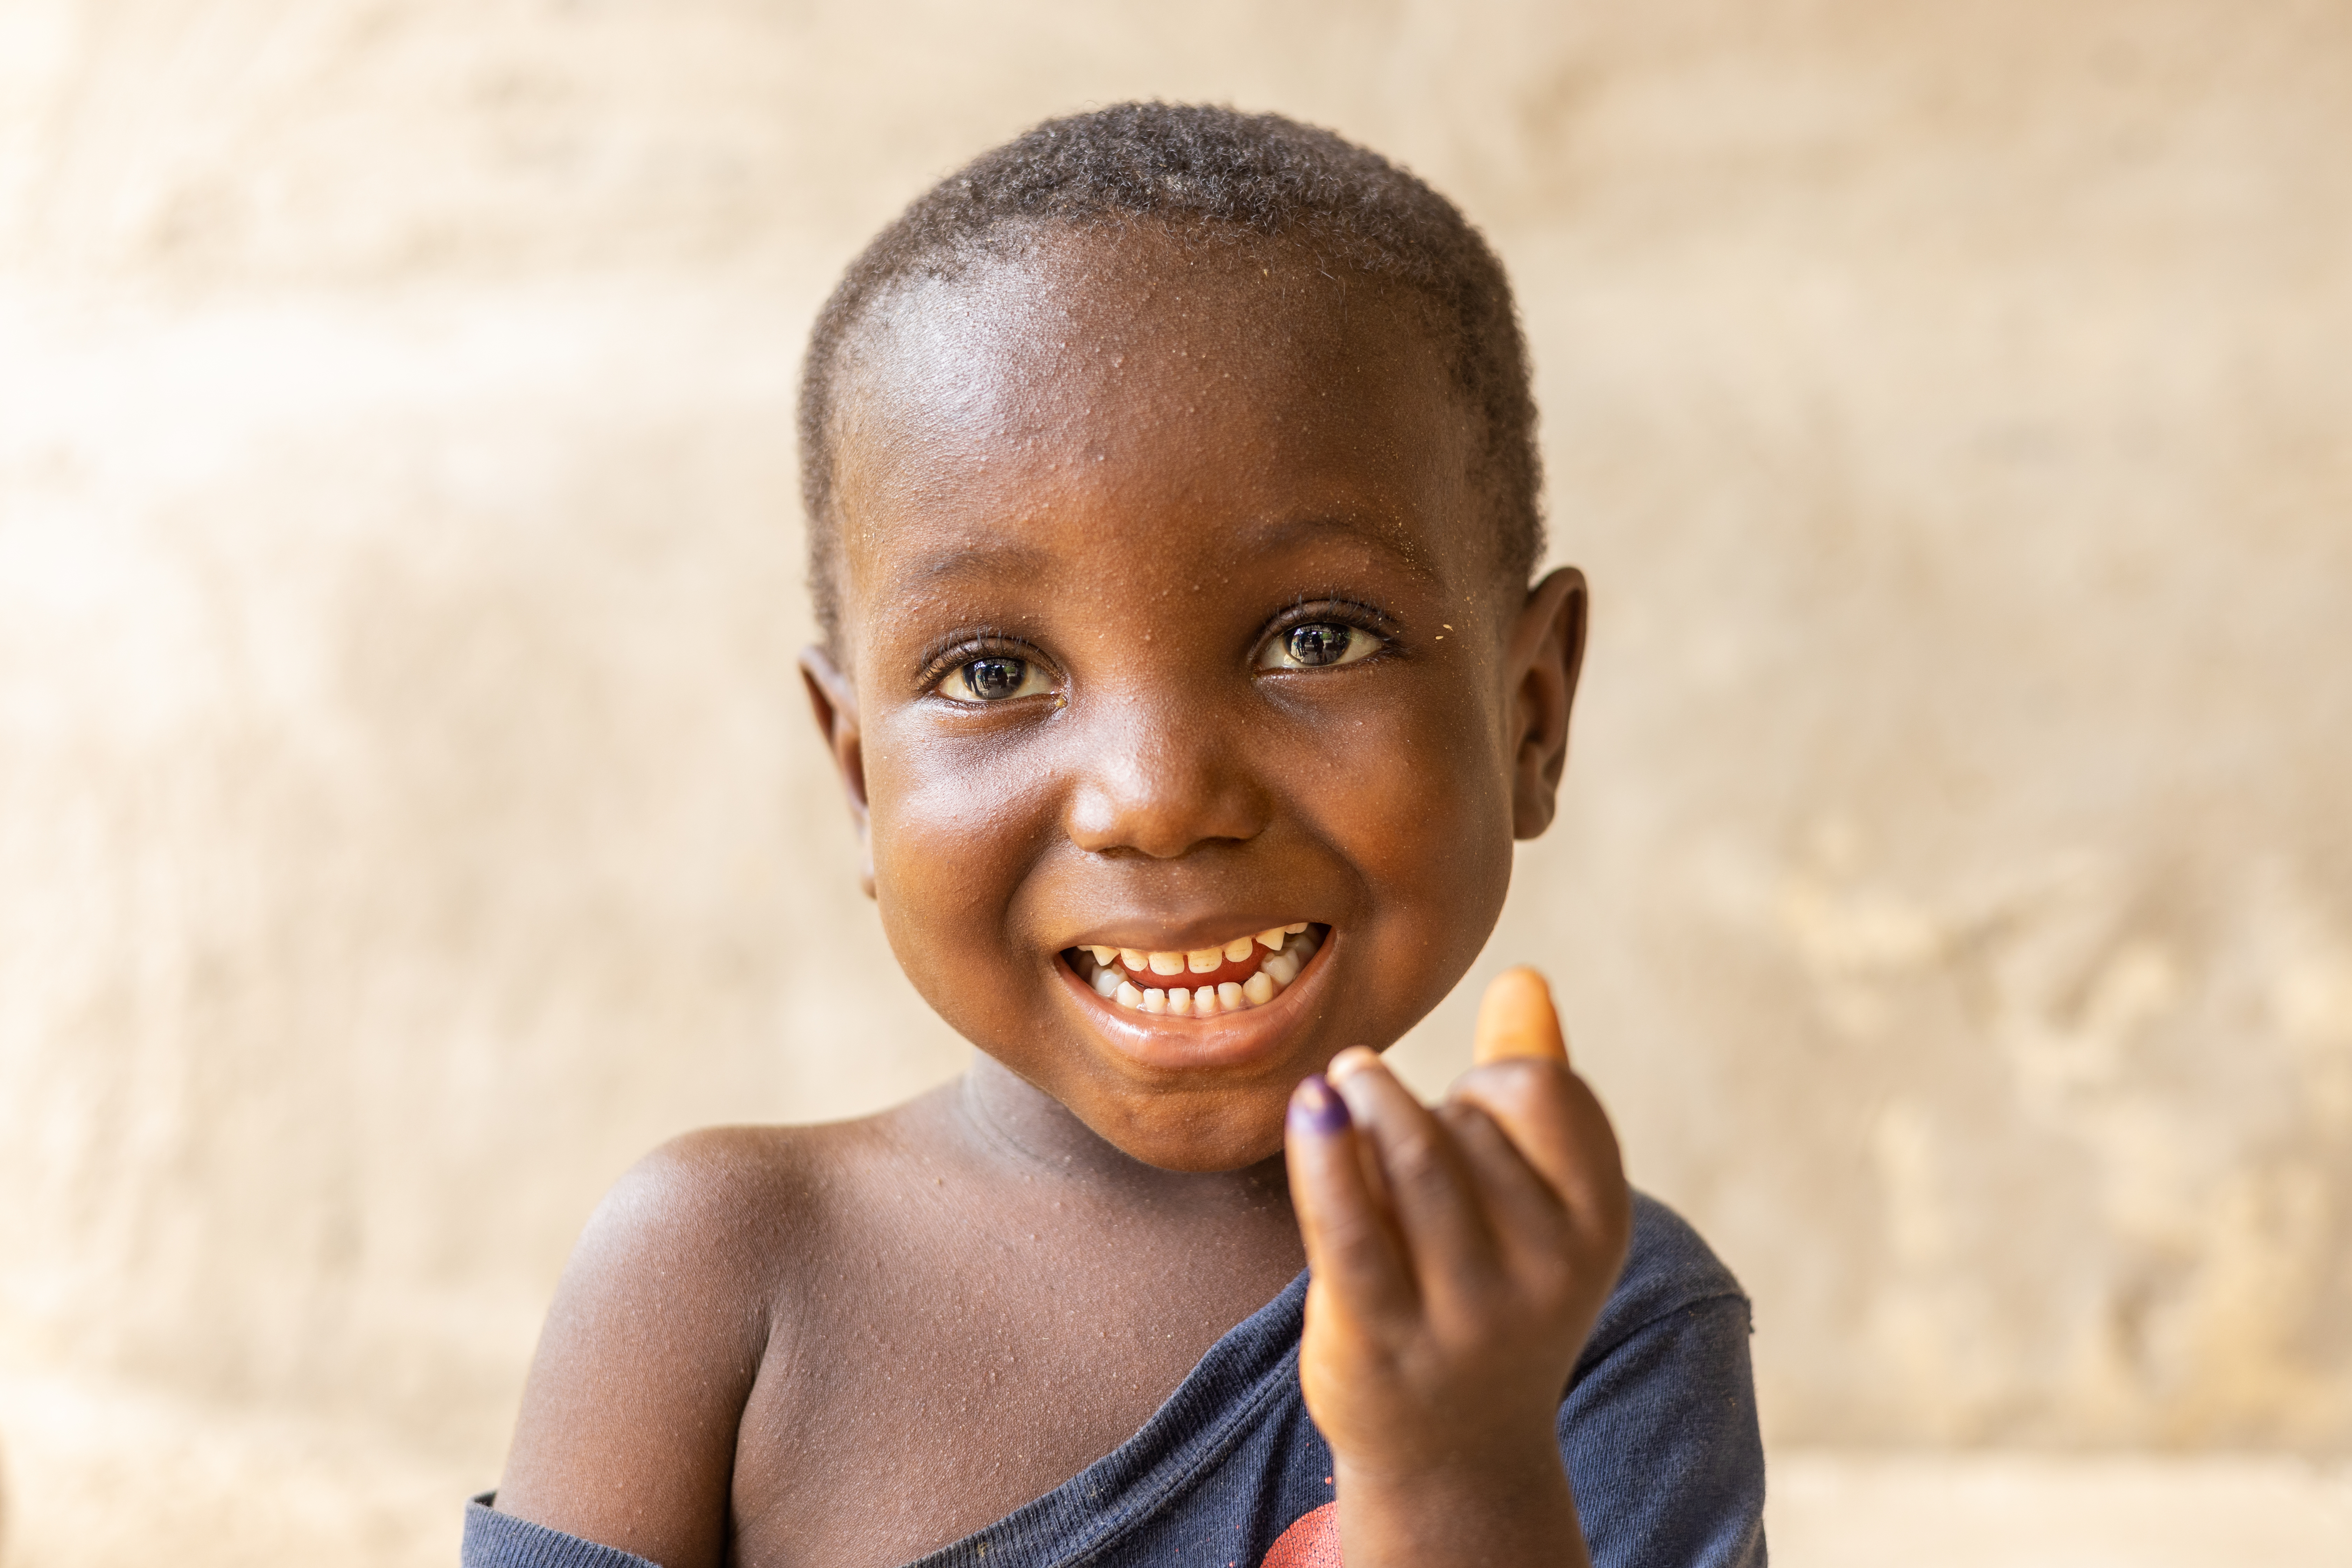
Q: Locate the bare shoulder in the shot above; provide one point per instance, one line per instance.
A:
(682, 1279)
(711, 1211)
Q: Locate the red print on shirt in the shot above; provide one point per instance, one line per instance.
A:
(1312, 1543)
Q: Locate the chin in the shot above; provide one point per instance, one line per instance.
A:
(1195, 1139)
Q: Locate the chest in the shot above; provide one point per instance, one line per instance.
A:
(927, 1388)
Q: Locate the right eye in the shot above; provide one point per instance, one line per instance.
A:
(994, 677)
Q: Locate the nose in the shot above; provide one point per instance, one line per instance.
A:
(1160, 785)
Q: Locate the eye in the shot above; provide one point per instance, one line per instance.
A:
(994, 677)
(1318, 645)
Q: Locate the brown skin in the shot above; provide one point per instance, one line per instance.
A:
(1134, 466)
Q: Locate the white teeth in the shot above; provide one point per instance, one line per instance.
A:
(1290, 948)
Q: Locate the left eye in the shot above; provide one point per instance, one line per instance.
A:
(1318, 645)
(994, 677)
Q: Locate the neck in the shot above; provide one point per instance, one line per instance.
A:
(1015, 1121)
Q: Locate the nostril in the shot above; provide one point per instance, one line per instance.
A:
(1165, 815)
(1157, 778)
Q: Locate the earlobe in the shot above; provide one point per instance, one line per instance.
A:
(835, 702)
(1547, 658)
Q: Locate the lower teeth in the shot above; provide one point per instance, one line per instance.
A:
(1274, 976)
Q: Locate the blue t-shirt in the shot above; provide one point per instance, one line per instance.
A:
(1658, 1430)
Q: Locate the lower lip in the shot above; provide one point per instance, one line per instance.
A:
(1172, 1043)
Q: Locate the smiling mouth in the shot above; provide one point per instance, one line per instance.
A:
(1247, 971)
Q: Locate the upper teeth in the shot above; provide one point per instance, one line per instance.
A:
(1290, 948)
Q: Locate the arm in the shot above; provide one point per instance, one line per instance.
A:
(1460, 1256)
(627, 1436)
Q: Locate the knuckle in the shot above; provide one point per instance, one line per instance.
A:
(1358, 1249)
(1468, 1122)
(1556, 1279)
(1521, 1082)
(1415, 1160)
(1454, 1114)
(1349, 1236)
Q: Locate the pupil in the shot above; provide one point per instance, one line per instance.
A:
(1317, 643)
(989, 678)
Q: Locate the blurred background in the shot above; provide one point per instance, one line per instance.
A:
(408, 815)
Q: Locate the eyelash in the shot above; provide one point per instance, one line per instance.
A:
(1334, 612)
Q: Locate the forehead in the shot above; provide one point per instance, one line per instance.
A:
(1137, 308)
(1143, 380)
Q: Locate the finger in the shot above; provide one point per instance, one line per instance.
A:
(1556, 1125)
(1351, 1245)
(1526, 1215)
(1557, 1255)
(1515, 1018)
(1448, 1243)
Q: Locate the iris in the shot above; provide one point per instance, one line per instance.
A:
(991, 678)
(1319, 643)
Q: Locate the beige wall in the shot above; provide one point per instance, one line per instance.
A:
(407, 815)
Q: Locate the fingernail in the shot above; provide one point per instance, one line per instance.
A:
(1353, 1060)
(1316, 1107)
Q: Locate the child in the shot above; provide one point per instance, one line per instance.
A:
(1171, 490)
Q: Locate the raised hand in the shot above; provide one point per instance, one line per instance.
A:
(1460, 1255)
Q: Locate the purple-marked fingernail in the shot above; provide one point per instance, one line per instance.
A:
(1317, 1108)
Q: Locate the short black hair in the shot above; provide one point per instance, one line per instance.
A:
(1207, 171)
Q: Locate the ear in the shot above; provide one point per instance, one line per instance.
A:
(836, 702)
(1546, 655)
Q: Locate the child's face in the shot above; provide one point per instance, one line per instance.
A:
(1171, 618)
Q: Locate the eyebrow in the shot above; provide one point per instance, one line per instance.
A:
(1281, 533)
(990, 558)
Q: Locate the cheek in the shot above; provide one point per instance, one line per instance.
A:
(953, 826)
(1416, 799)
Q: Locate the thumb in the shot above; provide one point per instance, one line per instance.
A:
(1515, 1018)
